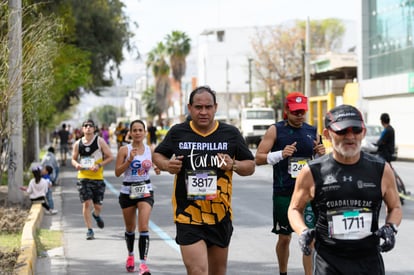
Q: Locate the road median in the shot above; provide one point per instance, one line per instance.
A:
(26, 262)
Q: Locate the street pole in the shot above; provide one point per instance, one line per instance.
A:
(227, 91)
(37, 140)
(307, 61)
(250, 80)
(15, 110)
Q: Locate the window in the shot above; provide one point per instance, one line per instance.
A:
(259, 114)
(220, 36)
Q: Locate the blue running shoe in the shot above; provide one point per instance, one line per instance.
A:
(90, 235)
(98, 220)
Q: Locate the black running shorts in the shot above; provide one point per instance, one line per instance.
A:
(125, 201)
(328, 263)
(91, 190)
(218, 234)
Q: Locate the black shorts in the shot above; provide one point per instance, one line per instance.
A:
(281, 224)
(218, 234)
(125, 201)
(332, 264)
(91, 190)
(64, 148)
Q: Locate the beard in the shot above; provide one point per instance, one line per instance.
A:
(346, 151)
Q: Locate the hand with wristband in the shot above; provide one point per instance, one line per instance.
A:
(275, 157)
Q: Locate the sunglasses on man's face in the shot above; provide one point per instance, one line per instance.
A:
(88, 125)
(354, 130)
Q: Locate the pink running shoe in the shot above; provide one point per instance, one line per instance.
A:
(144, 270)
(130, 264)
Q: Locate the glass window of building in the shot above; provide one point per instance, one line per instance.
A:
(390, 37)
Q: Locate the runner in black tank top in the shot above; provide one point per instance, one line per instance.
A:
(346, 189)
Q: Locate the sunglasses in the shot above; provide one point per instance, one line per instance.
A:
(298, 112)
(88, 125)
(355, 130)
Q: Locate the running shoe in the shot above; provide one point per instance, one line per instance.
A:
(144, 270)
(130, 264)
(90, 235)
(98, 220)
(53, 211)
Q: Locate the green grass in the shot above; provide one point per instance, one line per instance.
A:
(9, 241)
(4, 179)
(47, 239)
(42, 153)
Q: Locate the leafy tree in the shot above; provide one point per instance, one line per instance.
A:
(83, 40)
(326, 35)
(279, 52)
(178, 47)
(71, 71)
(38, 52)
(150, 101)
(278, 56)
(160, 69)
(106, 114)
(98, 27)
(102, 29)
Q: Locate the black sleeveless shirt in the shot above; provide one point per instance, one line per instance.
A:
(88, 150)
(347, 205)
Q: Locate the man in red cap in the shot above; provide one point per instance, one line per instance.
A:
(287, 145)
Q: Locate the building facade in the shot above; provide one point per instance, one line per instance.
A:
(386, 65)
(225, 64)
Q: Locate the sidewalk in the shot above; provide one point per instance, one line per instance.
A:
(49, 262)
(53, 261)
(405, 153)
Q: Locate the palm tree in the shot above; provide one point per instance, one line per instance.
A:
(160, 70)
(178, 47)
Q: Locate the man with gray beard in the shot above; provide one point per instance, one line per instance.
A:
(347, 237)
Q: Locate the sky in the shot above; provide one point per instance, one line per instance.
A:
(157, 18)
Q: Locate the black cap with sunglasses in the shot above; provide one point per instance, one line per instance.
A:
(343, 117)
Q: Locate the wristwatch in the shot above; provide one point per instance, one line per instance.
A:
(393, 226)
(234, 166)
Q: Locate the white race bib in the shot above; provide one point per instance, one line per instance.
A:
(201, 185)
(139, 190)
(348, 224)
(295, 165)
(87, 162)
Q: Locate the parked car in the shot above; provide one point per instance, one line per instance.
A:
(372, 136)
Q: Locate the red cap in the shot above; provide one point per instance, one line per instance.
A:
(296, 101)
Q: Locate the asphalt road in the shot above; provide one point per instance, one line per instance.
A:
(251, 249)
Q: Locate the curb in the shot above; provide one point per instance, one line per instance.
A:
(405, 159)
(26, 262)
